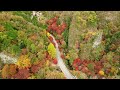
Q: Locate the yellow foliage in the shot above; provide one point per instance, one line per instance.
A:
(52, 50)
(91, 33)
(23, 62)
(48, 34)
(47, 63)
(67, 56)
(81, 45)
(32, 77)
(55, 75)
(84, 23)
(114, 70)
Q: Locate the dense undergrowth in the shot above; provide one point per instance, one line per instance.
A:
(75, 32)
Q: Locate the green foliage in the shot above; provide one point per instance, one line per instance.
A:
(15, 49)
(40, 74)
(41, 55)
(96, 53)
(115, 36)
(5, 44)
(118, 50)
(26, 15)
(66, 32)
(1, 64)
(86, 18)
(90, 66)
(73, 55)
(33, 48)
(110, 56)
(8, 26)
(12, 34)
(92, 19)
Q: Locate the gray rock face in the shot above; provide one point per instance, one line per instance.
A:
(7, 59)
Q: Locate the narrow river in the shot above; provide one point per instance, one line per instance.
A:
(61, 64)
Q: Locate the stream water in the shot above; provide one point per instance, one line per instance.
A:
(61, 64)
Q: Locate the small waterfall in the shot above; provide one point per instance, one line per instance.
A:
(61, 64)
(97, 40)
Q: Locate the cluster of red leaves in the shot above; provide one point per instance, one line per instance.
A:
(51, 40)
(22, 74)
(48, 57)
(52, 25)
(82, 65)
(76, 63)
(35, 68)
(55, 61)
(62, 56)
(98, 66)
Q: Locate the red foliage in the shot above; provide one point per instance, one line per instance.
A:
(50, 38)
(22, 74)
(58, 41)
(35, 68)
(47, 54)
(52, 20)
(52, 25)
(49, 28)
(59, 31)
(97, 68)
(48, 57)
(107, 71)
(63, 26)
(89, 73)
(85, 70)
(55, 61)
(77, 68)
(77, 62)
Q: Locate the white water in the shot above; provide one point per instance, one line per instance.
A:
(7, 59)
(61, 64)
(97, 40)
